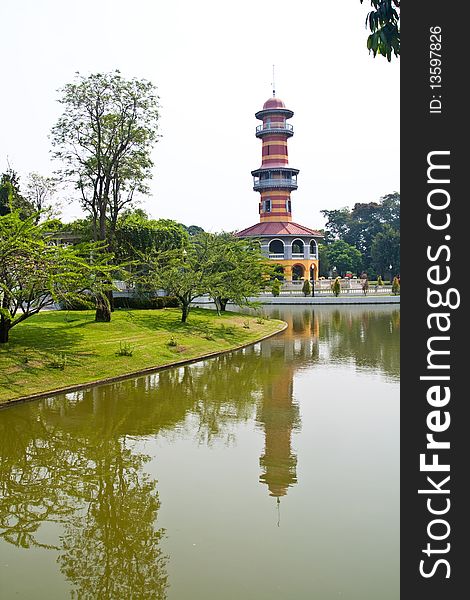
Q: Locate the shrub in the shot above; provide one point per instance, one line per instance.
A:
(365, 286)
(172, 342)
(57, 361)
(336, 286)
(146, 302)
(125, 349)
(395, 286)
(276, 287)
(306, 288)
(260, 321)
(379, 280)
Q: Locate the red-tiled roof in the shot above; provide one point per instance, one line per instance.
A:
(277, 228)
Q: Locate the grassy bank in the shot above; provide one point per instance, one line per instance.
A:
(59, 348)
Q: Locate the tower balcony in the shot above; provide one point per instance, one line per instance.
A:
(269, 184)
(267, 128)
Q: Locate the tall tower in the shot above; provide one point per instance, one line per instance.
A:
(294, 247)
(274, 179)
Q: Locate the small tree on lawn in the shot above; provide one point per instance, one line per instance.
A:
(395, 286)
(336, 286)
(306, 288)
(35, 273)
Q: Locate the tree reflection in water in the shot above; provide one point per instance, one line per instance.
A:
(75, 460)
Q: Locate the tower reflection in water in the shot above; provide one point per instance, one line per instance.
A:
(278, 412)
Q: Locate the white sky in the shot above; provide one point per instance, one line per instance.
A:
(212, 64)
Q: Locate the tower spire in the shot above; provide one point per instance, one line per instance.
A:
(274, 84)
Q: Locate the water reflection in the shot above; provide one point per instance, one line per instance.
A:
(75, 464)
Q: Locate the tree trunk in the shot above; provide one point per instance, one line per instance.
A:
(103, 309)
(4, 330)
(184, 312)
(223, 304)
(110, 297)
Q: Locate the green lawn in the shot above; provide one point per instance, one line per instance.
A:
(36, 345)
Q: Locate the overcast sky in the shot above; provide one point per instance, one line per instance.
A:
(212, 64)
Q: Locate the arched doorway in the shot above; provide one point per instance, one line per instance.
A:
(298, 272)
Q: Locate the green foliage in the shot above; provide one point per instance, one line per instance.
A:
(104, 140)
(58, 361)
(359, 226)
(383, 22)
(276, 287)
(336, 286)
(221, 265)
(386, 250)
(125, 349)
(306, 288)
(395, 286)
(11, 198)
(344, 256)
(172, 343)
(36, 274)
(146, 302)
(136, 234)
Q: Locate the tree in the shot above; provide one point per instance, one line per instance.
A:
(344, 256)
(221, 265)
(239, 269)
(383, 22)
(11, 198)
(40, 192)
(34, 274)
(104, 139)
(136, 234)
(386, 251)
(306, 288)
(359, 226)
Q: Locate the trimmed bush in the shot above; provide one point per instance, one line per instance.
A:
(276, 287)
(395, 286)
(145, 303)
(336, 286)
(306, 288)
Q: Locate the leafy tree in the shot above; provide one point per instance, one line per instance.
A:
(324, 263)
(104, 140)
(239, 269)
(193, 229)
(344, 256)
(383, 22)
(40, 192)
(306, 288)
(11, 198)
(386, 250)
(137, 234)
(225, 267)
(35, 273)
(359, 226)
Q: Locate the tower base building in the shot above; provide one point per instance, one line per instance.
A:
(292, 246)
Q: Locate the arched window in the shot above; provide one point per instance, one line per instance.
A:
(313, 248)
(298, 247)
(276, 247)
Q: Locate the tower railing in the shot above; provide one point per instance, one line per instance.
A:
(263, 184)
(275, 126)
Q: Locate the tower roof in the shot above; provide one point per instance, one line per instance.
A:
(273, 103)
(274, 228)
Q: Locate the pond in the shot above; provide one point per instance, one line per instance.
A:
(270, 472)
